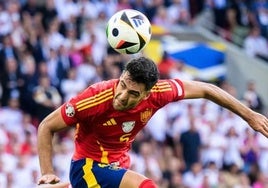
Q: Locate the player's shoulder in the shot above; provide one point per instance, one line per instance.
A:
(104, 85)
(170, 89)
(167, 85)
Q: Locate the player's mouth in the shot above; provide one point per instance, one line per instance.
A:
(118, 105)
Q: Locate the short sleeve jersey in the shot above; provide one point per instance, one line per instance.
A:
(105, 134)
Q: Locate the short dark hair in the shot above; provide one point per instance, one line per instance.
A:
(143, 70)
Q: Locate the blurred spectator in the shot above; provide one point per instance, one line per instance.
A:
(122, 4)
(106, 7)
(71, 85)
(88, 9)
(88, 71)
(161, 18)
(196, 7)
(54, 68)
(232, 154)
(3, 133)
(252, 98)
(17, 33)
(3, 177)
(262, 142)
(61, 160)
(49, 12)
(214, 147)
(228, 119)
(22, 172)
(230, 177)
(243, 13)
(47, 98)
(243, 181)
(260, 9)
(179, 122)
(30, 79)
(157, 126)
(71, 35)
(64, 63)
(219, 8)
(255, 44)
(151, 8)
(176, 181)
(66, 9)
(30, 8)
(190, 143)
(234, 32)
(179, 71)
(146, 162)
(55, 38)
(165, 65)
(11, 117)
(194, 177)
(27, 144)
(171, 167)
(212, 173)
(178, 12)
(9, 160)
(5, 20)
(249, 150)
(12, 81)
(7, 51)
(139, 5)
(262, 181)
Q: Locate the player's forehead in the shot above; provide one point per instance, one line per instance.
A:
(132, 85)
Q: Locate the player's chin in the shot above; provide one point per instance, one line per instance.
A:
(119, 106)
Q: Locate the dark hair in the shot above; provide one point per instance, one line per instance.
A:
(143, 70)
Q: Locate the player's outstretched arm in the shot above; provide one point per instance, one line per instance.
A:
(195, 89)
(51, 124)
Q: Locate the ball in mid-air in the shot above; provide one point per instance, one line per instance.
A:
(128, 31)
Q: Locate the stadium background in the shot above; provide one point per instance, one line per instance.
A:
(42, 43)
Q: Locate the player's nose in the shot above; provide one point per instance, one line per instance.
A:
(124, 96)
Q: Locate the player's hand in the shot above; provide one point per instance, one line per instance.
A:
(259, 123)
(49, 179)
(57, 185)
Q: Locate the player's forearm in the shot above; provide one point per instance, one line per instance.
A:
(227, 101)
(45, 150)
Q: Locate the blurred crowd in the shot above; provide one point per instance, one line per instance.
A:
(51, 50)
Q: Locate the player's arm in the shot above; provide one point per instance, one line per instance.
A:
(195, 89)
(50, 125)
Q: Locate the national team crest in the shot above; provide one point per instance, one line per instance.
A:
(146, 115)
(69, 110)
(128, 126)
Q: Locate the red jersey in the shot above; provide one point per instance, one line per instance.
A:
(105, 134)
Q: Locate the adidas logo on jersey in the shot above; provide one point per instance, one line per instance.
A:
(110, 122)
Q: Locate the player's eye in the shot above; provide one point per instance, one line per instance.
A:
(134, 94)
(122, 84)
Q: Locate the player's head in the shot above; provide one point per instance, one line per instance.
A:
(135, 83)
(143, 70)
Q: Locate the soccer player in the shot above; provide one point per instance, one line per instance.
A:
(108, 115)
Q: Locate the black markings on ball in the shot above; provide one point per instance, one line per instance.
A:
(115, 32)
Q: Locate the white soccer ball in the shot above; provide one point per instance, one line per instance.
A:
(128, 31)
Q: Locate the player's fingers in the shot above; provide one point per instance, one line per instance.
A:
(50, 178)
(264, 130)
(57, 185)
(265, 133)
